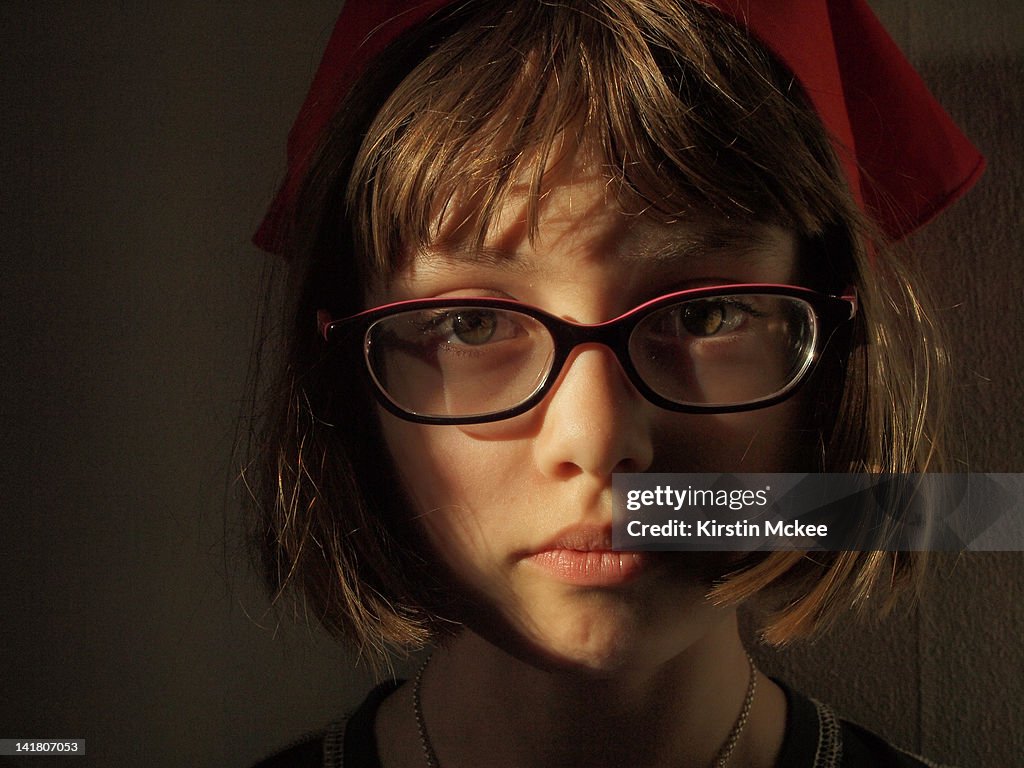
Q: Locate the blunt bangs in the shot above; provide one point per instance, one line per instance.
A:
(685, 115)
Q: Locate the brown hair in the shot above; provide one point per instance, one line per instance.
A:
(690, 118)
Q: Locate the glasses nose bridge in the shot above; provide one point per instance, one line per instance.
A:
(614, 335)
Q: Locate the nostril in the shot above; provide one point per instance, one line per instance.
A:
(566, 470)
(628, 465)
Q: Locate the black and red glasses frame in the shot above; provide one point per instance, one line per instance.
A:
(829, 312)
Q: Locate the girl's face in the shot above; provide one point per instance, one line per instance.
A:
(520, 510)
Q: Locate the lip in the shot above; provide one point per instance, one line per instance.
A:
(583, 555)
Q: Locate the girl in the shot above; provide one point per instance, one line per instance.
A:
(538, 243)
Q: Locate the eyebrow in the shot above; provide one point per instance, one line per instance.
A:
(484, 256)
(660, 247)
(717, 241)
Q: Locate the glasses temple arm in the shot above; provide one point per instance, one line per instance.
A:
(849, 295)
(323, 320)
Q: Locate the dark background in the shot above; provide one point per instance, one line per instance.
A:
(140, 144)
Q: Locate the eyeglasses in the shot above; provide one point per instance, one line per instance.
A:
(707, 350)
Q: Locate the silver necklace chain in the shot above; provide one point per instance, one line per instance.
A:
(421, 726)
(721, 759)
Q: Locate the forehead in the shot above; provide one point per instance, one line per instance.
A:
(580, 210)
(585, 234)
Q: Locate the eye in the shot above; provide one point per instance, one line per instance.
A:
(469, 326)
(708, 318)
(474, 326)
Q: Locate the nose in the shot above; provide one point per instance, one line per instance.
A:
(594, 420)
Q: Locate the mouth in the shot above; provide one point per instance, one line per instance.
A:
(583, 556)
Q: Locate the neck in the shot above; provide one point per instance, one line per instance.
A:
(675, 712)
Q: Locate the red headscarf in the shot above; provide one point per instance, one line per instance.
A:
(904, 157)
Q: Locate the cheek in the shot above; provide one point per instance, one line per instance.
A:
(444, 465)
(775, 439)
(460, 487)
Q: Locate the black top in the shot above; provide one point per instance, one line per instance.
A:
(814, 738)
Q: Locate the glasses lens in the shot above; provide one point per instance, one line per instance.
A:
(725, 350)
(459, 361)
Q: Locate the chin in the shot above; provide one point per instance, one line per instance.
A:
(602, 633)
(591, 645)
